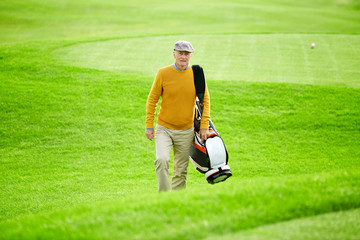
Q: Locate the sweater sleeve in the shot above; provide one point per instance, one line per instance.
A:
(153, 98)
(204, 124)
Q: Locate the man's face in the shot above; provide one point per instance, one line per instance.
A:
(182, 59)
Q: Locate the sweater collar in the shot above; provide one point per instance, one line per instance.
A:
(174, 65)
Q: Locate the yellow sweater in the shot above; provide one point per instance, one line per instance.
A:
(177, 91)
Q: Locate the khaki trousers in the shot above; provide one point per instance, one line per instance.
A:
(180, 141)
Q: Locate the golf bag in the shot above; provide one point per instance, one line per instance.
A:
(211, 157)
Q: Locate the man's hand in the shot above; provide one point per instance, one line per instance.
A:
(149, 134)
(204, 133)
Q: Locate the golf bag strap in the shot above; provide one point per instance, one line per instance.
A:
(199, 81)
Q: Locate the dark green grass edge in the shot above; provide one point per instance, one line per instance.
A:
(198, 213)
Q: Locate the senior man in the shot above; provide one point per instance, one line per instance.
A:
(175, 122)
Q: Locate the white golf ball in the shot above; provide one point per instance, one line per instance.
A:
(313, 45)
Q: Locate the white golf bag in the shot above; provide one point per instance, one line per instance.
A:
(211, 157)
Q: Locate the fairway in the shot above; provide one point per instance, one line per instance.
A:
(286, 58)
(75, 162)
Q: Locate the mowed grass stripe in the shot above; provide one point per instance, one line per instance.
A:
(81, 19)
(342, 225)
(202, 212)
(250, 57)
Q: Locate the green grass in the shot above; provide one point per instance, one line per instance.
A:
(339, 225)
(74, 160)
(251, 57)
(234, 207)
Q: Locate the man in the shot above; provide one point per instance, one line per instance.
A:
(175, 123)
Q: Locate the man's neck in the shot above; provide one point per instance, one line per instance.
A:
(181, 68)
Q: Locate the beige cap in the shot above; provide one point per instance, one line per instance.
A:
(183, 46)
